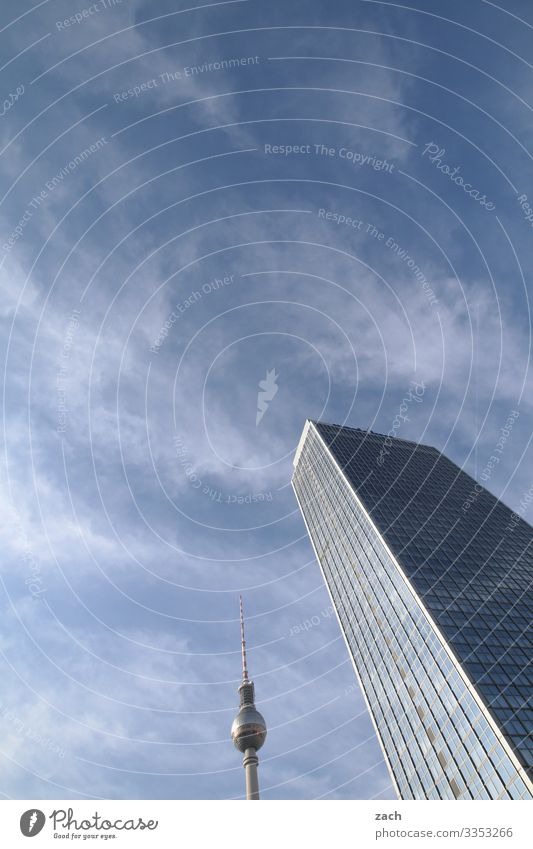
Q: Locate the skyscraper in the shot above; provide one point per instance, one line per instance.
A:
(248, 731)
(431, 579)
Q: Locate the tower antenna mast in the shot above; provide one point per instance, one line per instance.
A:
(243, 643)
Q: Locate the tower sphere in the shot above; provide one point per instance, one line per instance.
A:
(249, 729)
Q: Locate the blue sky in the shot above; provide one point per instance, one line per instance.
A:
(172, 229)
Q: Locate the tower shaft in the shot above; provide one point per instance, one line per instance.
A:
(250, 762)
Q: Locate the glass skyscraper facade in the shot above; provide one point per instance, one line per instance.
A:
(431, 578)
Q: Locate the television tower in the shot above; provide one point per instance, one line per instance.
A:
(248, 731)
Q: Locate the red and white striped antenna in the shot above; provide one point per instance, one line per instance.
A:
(243, 645)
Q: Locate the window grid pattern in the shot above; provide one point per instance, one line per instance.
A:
(474, 575)
(438, 741)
